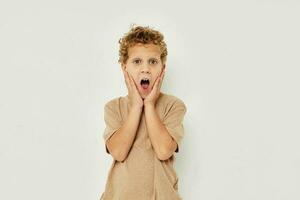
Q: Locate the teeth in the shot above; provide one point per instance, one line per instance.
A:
(145, 80)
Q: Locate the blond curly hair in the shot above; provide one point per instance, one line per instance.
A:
(144, 35)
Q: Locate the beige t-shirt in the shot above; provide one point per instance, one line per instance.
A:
(142, 176)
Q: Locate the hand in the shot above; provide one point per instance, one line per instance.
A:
(135, 98)
(155, 92)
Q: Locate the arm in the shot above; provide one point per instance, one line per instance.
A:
(164, 145)
(121, 141)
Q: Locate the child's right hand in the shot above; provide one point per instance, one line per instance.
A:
(133, 93)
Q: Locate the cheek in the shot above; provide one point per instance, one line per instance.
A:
(131, 70)
(157, 73)
(134, 77)
(131, 73)
(156, 76)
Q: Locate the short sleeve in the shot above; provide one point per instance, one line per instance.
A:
(112, 121)
(173, 121)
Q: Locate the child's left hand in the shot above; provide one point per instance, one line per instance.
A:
(155, 92)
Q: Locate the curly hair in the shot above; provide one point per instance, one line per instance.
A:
(143, 35)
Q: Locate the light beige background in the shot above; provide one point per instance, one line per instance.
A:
(234, 63)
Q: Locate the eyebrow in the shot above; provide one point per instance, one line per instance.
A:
(149, 58)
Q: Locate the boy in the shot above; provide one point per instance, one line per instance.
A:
(144, 128)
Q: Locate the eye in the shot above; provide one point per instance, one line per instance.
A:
(153, 61)
(137, 61)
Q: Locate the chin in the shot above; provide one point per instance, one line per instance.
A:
(144, 95)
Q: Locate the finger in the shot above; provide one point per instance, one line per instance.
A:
(157, 78)
(156, 84)
(162, 72)
(130, 79)
(135, 88)
(127, 80)
(132, 83)
(161, 80)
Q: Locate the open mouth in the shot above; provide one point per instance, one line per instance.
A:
(145, 82)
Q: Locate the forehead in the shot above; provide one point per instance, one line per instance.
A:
(140, 50)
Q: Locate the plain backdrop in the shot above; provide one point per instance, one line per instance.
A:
(235, 64)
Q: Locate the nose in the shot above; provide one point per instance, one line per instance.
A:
(145, 69)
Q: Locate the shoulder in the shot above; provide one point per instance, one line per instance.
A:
(171, 101)
(114, 102)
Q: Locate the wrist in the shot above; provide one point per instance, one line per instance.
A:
(149, 104)
(136, 108)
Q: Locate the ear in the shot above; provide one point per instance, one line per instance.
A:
(163, 68)
(123, 66)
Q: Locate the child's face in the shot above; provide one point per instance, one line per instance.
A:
(144, 62)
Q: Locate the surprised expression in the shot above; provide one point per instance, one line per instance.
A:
(144, 65)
